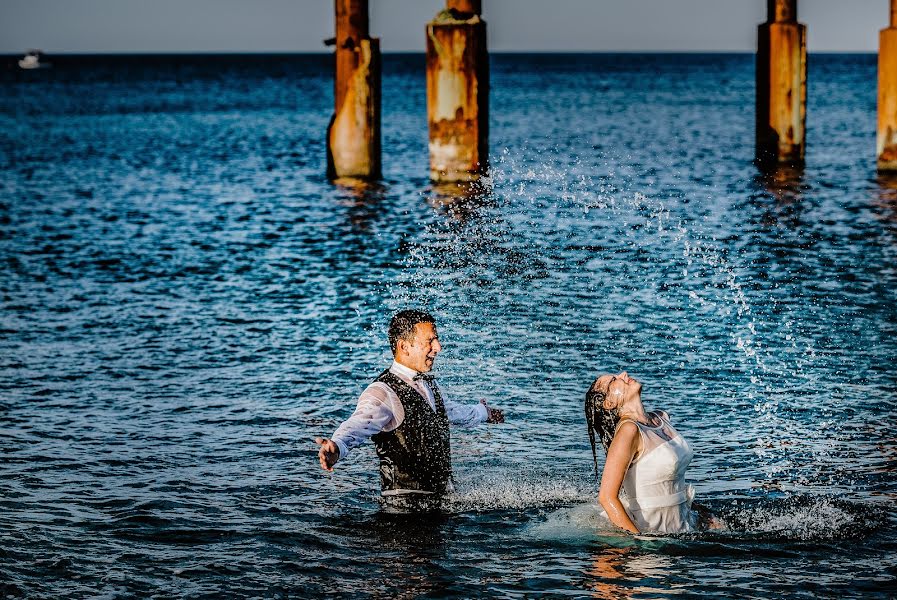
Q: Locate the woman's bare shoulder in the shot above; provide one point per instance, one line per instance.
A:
(626, 427)
(628, 436)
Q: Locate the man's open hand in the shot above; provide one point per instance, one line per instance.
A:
(494, 415)
(328, 453)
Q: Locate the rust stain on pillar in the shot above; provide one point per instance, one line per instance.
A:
(781, 86)
(887, 95)
(353, 136)
(458, 92)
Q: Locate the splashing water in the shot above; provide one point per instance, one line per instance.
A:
(799, 517)
(523, 492)
(796, 519)
(635, 268)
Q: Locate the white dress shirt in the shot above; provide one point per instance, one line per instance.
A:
(379, 409)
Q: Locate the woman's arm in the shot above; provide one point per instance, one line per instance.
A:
(623, 447)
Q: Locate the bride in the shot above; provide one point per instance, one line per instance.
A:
(646, 460)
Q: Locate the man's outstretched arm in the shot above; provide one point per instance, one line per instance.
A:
(376, 412)
(471, 414)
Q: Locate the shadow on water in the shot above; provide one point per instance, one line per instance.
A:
(785, 183)
(415, 535)
(886, 196)
(407, 551)
(461, 200)
(365, 200)
(887, 183)
(779, 192)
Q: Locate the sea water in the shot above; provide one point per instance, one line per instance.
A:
(187, 302)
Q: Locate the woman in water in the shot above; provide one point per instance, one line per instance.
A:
(646, 458)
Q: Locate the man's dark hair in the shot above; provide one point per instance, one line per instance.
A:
(401, 327)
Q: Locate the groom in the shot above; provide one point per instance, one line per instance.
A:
(407, 417)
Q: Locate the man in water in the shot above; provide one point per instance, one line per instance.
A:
(405, 414)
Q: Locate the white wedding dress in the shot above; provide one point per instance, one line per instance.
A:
(654, 491)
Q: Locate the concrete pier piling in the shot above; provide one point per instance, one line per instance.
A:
(458, 92)
(887, 95)
(353, 136)
(781, 86)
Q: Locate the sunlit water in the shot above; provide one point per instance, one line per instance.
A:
(187, 303)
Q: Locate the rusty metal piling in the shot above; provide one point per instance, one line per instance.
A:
(781, 86)
(458, 92)
(887, 95)
(353, 136)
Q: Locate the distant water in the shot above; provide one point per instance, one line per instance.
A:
(187, 303)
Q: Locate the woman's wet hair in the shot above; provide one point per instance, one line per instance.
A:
(600, 420)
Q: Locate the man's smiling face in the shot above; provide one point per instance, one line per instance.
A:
(420, 353)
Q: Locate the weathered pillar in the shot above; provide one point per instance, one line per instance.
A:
(458, 92)
(887, 95)
(781, 85)
(353, 136)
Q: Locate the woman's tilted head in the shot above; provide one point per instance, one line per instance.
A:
(606, 401)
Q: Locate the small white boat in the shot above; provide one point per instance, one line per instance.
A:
(32, 60)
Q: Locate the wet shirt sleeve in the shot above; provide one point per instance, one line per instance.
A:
(464, 414)
(378, 410)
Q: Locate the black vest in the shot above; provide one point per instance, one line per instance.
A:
(416, 455)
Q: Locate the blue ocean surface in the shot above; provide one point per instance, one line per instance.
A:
(187, 302)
